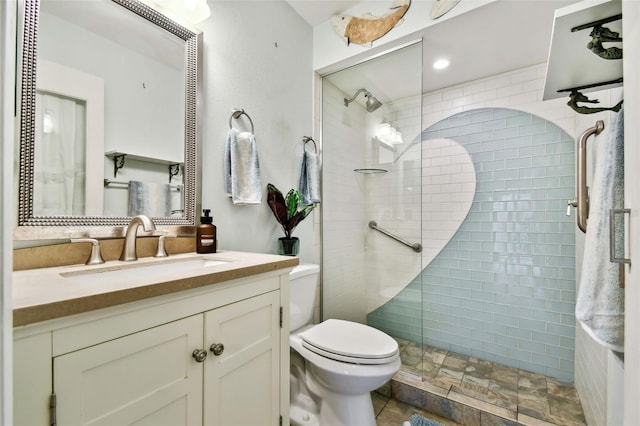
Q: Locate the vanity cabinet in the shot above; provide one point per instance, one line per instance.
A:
(146, 378)
(169, 361)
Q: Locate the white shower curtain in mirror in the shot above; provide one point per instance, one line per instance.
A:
(59, 156)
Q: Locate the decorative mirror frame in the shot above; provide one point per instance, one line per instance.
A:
(39, 227)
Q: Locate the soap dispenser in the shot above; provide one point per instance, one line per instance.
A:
(206, 234)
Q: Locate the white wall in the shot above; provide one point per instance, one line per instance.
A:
(631, 36)
(257, 56)
(7, 75)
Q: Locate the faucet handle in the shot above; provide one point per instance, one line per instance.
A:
(95, 257)
(162, 252)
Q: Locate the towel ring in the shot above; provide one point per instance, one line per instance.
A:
(236, 113)
(306, 139)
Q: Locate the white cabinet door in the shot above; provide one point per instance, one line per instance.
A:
(31, 380)
(241, 385)
(146, 378)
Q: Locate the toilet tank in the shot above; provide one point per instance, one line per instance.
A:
(302, 294)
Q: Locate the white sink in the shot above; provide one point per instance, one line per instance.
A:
(138, 269)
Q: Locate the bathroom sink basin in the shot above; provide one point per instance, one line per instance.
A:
(146, 270)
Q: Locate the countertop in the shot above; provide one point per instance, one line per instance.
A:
(48, 293)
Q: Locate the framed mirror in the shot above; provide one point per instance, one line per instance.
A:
(109, 122)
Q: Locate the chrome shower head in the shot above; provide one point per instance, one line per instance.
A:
(372, 103)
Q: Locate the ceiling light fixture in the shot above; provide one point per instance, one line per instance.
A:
(441, 64)
(192, 11)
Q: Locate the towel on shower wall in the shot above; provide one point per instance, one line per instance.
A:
(309, 185)
(600, 300)
(149, 198)
(242, 168)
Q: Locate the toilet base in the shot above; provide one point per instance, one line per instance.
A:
(347, 410)
(314, 405)
(299, 416)
(336, 410)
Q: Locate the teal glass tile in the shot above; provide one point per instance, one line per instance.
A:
(533, 325)
(506, 341)
(558, 352)
(519, 121)
(536, 347)
(509, 272)
(519, 354)
(533, 129)
(547, 361)
(479, 116)
(545, 338)
(550, 137)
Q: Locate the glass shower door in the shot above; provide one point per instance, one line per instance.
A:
(372, 197)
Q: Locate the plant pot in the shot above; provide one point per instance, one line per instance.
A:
(288, 246)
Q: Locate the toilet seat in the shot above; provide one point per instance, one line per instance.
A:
(350, 342)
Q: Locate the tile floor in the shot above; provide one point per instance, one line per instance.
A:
(473, 392)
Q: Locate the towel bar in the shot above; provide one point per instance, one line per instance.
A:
(236, 113)
(306, 139)
(108, 182)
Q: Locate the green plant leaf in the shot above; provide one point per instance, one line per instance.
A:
(275, 200)
(285, 209)
(292, 200)
(299, 216)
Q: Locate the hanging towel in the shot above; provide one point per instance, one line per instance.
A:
(149, 198)
(600, 300)
(242, 168)
(309, 185)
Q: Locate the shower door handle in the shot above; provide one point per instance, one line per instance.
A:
(581, 202)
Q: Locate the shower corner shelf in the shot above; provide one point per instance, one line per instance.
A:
(370, 171)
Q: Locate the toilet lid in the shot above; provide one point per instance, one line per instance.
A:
(350, 342)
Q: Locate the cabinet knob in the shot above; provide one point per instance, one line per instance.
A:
(217, 349)
(199, 355)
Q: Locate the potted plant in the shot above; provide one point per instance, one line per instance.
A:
(289, 213)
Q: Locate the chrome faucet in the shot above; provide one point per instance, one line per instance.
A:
(129, 247)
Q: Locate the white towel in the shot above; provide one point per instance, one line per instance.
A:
(242, 168)
(309, 185)
(600, 301)
(149, 198)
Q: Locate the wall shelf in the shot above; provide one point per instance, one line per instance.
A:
(370, 171)
(119, 159)
(136, 157)
(571, 64)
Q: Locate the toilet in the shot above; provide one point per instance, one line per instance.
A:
(335, 364)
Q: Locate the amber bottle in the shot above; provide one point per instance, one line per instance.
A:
(206, 238)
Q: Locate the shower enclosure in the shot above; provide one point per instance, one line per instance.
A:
(372, 175)
(483, 190)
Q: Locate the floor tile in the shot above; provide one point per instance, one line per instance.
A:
(475, 391)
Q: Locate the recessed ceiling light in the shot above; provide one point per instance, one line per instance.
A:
(441, 64)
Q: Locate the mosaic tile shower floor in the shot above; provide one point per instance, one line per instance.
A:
(469, 391)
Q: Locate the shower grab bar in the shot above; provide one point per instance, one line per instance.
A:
(581, 201)
(417, 247)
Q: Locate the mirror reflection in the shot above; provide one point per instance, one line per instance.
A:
(108, 119)
(132, 73)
